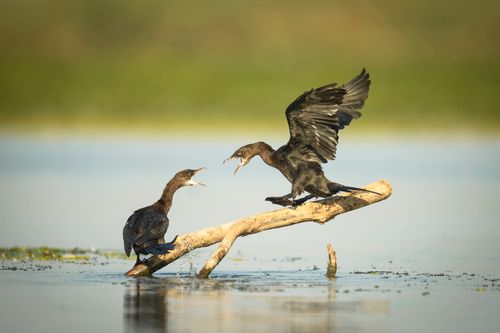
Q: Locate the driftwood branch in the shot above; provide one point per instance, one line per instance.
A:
(320, 211)
(331, 268)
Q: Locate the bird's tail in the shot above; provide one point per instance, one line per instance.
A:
(157, 249)
(335, 188)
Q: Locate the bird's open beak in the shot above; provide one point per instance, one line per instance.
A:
(193, 182)
(243, 162)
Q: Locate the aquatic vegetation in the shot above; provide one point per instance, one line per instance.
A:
(45, 253)
(35, 253)
(114, 255)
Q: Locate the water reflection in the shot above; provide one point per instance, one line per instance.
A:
(145, 307)
(246, 304)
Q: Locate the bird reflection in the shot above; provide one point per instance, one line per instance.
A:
(247, 303)
(145, 306)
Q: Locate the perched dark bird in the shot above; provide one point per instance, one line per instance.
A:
(145, 229)
(314, 119)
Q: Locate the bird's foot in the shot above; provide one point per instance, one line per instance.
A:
(299, 202)
(280, 201)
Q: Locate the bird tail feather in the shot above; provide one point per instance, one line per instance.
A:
(158, 249)
(335, 188)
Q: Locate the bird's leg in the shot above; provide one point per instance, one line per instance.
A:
(298, 187)
(138, 261)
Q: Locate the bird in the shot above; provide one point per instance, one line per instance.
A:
(145, 229)
(314, 120)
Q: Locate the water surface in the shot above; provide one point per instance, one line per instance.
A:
(97, 297)
(440, 227)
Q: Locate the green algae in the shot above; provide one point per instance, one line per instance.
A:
(45, 253)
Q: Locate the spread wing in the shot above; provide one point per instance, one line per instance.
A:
(148, 223)
(316, 117)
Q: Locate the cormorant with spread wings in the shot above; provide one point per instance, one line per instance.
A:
(314, 119)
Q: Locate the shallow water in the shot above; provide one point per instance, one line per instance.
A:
(97, 297)
(441, 219)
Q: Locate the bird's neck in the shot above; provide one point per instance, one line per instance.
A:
(275, 159)
(167, 196)
(266, 152)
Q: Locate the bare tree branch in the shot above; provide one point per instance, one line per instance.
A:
(320, 211)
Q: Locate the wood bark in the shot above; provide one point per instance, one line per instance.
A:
(320, 211)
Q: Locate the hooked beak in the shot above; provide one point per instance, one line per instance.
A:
(193, 182)
(242, 163)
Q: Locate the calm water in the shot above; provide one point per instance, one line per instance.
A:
(81, 298)
(443, 218)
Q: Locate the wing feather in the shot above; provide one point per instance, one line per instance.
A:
(316, 117)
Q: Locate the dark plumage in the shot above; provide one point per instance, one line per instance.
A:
(145, 229)
(314, 119)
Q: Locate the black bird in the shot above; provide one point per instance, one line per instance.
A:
(314, 119)
(146, 228)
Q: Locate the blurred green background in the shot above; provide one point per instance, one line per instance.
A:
(164, 66)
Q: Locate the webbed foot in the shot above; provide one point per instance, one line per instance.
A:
(280, 201)
(300, 201)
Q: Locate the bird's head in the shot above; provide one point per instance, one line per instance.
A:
(244, 154)
(185, 177)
